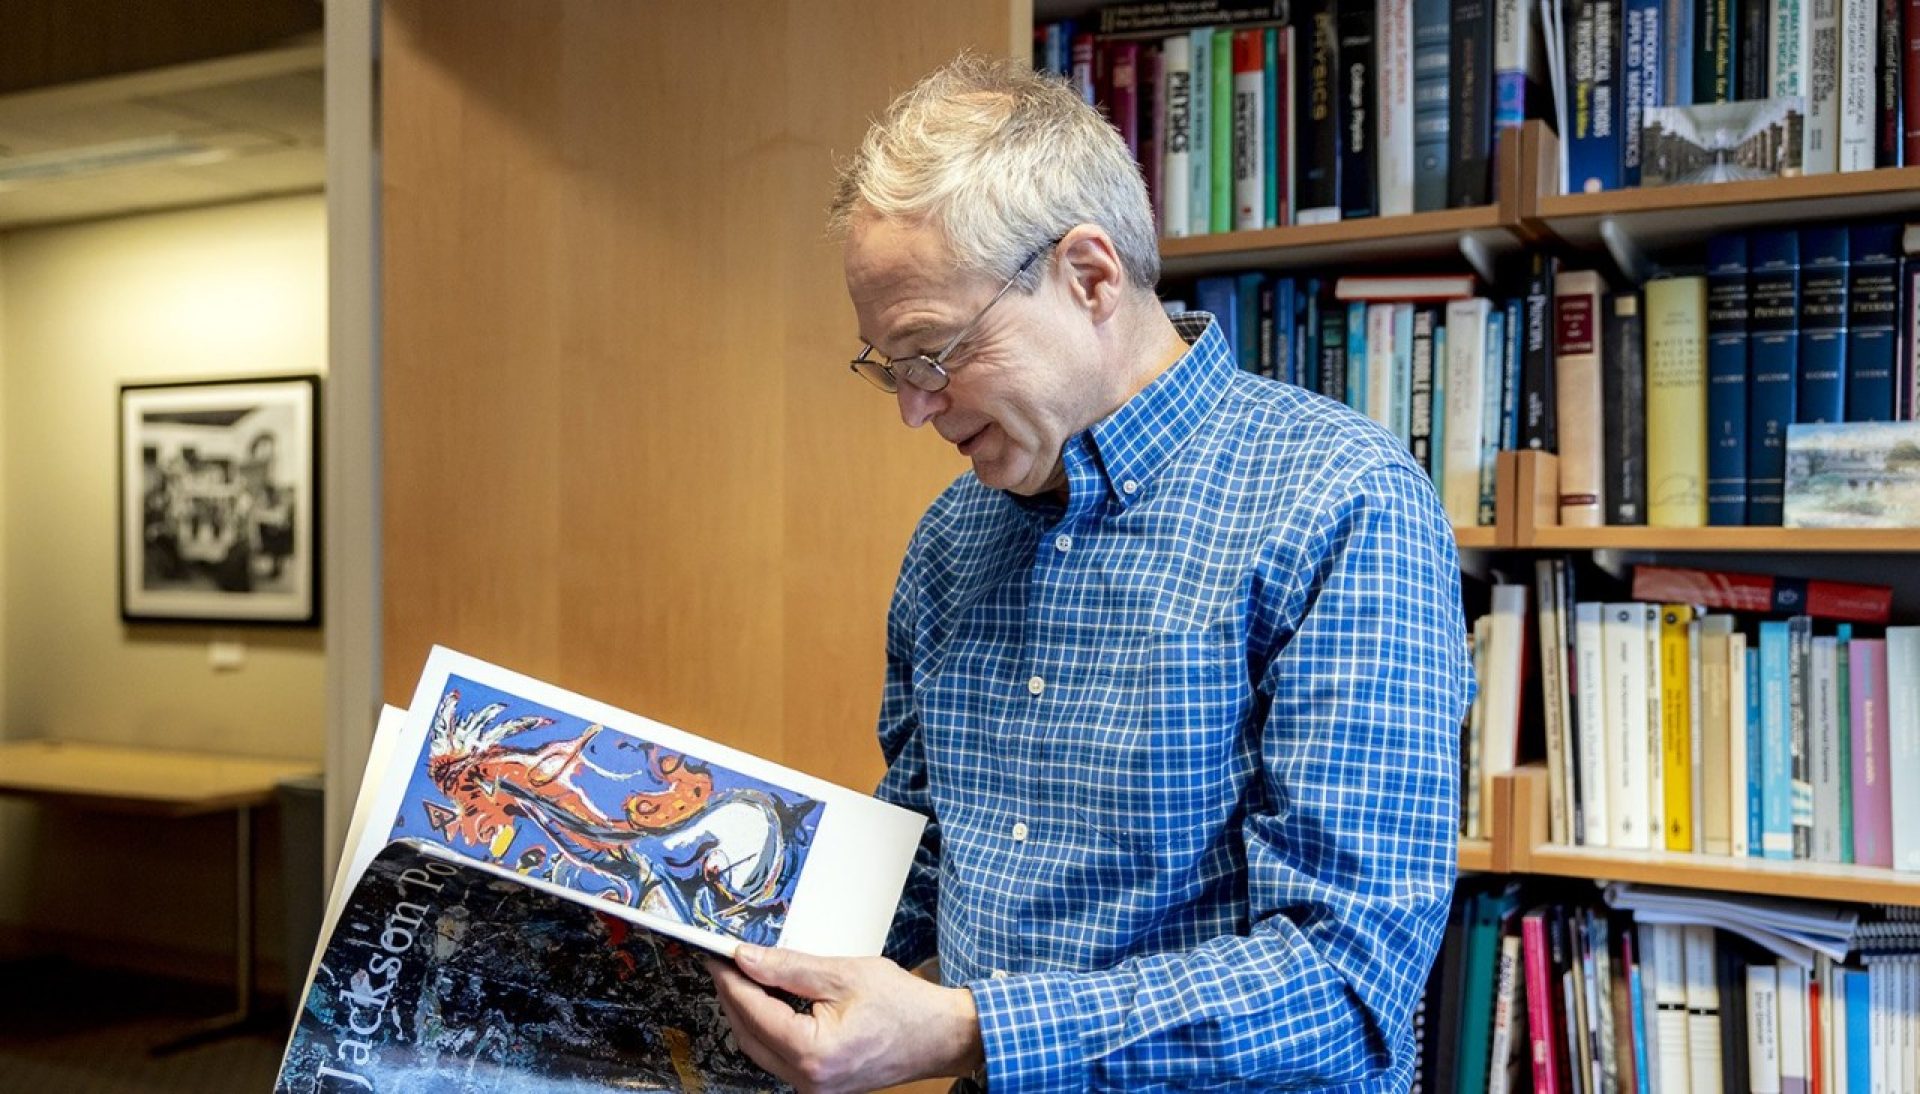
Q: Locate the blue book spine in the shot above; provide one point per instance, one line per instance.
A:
(1773, 360)
(1247, 321)
(1593, 153)
(1642, 66)
(1636, 1006)
(1727, 380)
(1512, 349)
(1357, 355)
(1403, 373)
(1200, 134)
(1822, 394)
(1283, 328)
(1275, 131)
(1776, 803)
(1677, 49)
(1219, 296)
(1756, 767)
(1432, 22)
(1438, 444)
(1306, 366)
(1857, 990)
(1490, 409)
(1873, 303)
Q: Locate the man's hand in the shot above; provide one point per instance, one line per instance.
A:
(872, 1023)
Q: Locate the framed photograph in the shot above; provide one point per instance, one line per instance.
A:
(220, 502)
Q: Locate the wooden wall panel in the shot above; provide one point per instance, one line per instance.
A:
(621, 448)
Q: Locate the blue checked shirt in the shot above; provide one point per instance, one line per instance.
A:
(1187, 743)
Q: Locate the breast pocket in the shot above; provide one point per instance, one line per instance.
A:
(1168, 744)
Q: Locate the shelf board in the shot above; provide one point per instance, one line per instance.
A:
(1666, 215)
(1476, 855)
(1828, 540)
(1809, 880)
(1431, 235)
(1483, 537)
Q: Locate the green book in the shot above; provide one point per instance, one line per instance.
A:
(1220, 215)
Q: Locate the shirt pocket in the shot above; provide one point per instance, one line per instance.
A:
(1164, 759)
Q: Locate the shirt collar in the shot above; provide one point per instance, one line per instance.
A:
(1135, 441)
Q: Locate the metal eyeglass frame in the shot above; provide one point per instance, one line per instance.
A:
(930, 374)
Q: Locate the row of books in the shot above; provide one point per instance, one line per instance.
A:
(1566, 996)
(1330, 111)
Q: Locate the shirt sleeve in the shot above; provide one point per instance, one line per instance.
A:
(1350, 847)
(912, 939)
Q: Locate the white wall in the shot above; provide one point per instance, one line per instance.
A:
(225, 291)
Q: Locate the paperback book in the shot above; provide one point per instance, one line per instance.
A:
(532, 879)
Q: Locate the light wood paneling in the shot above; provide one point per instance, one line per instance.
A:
(622, 450)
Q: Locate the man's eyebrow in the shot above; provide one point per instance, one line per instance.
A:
(911, 332)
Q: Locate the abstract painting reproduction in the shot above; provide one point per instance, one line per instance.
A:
(1853, 475)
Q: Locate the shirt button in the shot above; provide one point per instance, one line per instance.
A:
(1035, 685)
(1063, 542)
(999, 974)
(1020, 831)
(1129, 487)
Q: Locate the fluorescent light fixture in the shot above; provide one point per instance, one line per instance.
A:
(94, 159)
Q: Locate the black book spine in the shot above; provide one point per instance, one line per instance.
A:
(1888, 130)
(1359, 196)
(1332, 378)
(1268, 333)
(1317, 123)
(1420, 401)
(1713, 58)
(1731, 974)
(1750, 50)
(1536, 372)
(1623, 387)
(1470, 129)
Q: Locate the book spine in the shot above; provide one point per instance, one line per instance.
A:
(1821, 392)
(1357, 360)
(1624, 405)
(1623, 725)
(1727, 380)
(1777, 756)
(1823, 737)
(1713, 759)
(1750, 53)
(1357, 95)
(1148, 17)
(1763, 1029)
(1678, 16)
(1713, 59)
(1593, 153)
(1910, 84)
(1872, 801)
(1381, 394)
(1273, 125)
(1873, 307)
(1589, 687)
(1123, 92)
(1431, 29)
(1843, 738)
(1773, 348)
(1903, 742)
(1579, 397)
(1676, 406)
(1822, 131)
(1464, 409)
(1470, 128)
(1176, 173)
(1890, 43)
(1859, 53)
(1318, 175)
(1222, 147)
(1512, 349)
(1787, 42)
(1536, 373)
(1540, 1017)
(1756, 758)
(1670, 1003)
(1249, 130)
(1394, 110)
(1402, 374)
(1739, 758)
(1153, 125)
(1200, 130)
(1331, 376)
(1676, 731)
(1703, 1010)
(1420, 394)
(1490, 393)
(1795, 1077)
(1083, 52)
(1641, 16)
(1799, 732)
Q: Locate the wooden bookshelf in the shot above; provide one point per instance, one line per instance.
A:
(1532, 853)
(1530, 506)
(1431, 236)
(1476, 856)
(1470, 537)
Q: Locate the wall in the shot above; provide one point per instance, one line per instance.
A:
(623, 450)
(232, 290)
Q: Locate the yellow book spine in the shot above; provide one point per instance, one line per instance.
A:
(1676, 726)
(1676, 331)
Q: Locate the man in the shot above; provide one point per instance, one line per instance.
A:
(1175, 671)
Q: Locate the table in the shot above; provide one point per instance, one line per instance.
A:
(157, 782)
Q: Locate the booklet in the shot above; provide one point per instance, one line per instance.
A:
(529, 880)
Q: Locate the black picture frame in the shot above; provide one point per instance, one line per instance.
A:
(219, 496)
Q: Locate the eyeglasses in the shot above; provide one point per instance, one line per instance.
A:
(930, 373)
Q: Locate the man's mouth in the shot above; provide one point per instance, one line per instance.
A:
(966, 446)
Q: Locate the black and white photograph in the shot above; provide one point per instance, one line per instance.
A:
(218, 501)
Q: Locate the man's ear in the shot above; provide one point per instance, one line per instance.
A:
(1096, 279)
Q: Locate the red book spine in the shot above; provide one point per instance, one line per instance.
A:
(1838, 600)
(1123, 104)
(1153, 121)
(1540, 1026)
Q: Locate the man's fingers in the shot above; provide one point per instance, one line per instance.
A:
(743, 1033)
(759, 1020)
(799, 973)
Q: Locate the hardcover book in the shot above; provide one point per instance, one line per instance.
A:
(532, 878)
(1727, 380)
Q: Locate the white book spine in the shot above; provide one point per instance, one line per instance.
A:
(1589, 646)
(1290, 150)
(1508, 1010)
(1906, 986)
(1393, 114)
(1380, 389)
(1504, 661)
(1763, 1030)
(1703, 1011)
(1824, 724)
(1200, 133)
(1903, 742)
(1249, 150)
(1696, 742)
(1466, 350)
(1737, 742)
(1175, 175)
(1822, 155)
(1787, 35)
(1555, 700)
(1857, 64)
(1656, 731)
(1793, 1029)
(1836, 1028)
(1625, 709)
(1674, 1061)
(1878, 1020)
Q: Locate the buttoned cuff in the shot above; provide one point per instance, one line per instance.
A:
(1030, 1031)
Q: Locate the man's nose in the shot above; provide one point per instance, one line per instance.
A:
(918, 406)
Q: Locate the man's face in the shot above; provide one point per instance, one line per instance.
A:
(1020, 382)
